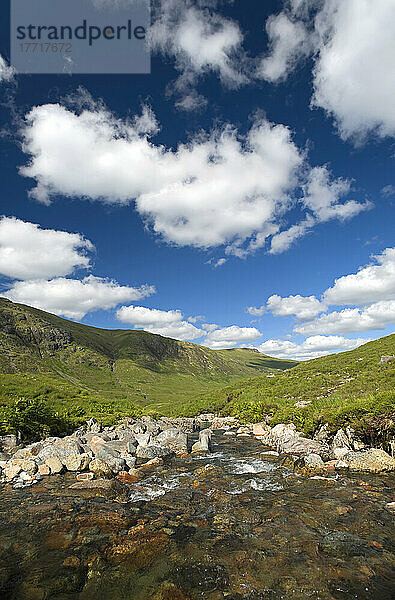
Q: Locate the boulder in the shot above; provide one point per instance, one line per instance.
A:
(174, 439)
(322, 434)
(110, 457)
(301, 445)
(44, 469)
(373, 460)
(153, 452)
(61, 448)
(78, 462)
(286, 439)
(11, 471)
(148, 466)
(9, 443)
(204, 443)
(281, 433)
(341, 440)
(99, 468)
(143, 439)
(54, 464)
(126, 435)
(260, 430)
(29, 451)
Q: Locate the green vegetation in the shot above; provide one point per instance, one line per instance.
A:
(82, 371)
(348, 388)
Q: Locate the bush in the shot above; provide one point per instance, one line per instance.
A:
(33, 419)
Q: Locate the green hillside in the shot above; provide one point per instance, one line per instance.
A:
(351, 387)
(102, 372)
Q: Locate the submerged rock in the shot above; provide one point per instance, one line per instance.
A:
(344, 545)
(110, 488)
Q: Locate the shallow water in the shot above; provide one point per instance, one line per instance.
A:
(244, 527)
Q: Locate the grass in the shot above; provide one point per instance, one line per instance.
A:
(347, 388)
(87, 371)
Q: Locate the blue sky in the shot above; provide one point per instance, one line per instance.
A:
(295, 200)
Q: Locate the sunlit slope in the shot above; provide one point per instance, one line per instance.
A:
(115, 365)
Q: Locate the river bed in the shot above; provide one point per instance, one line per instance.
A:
(233, 525)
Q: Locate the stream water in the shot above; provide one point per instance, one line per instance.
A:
(232, 525)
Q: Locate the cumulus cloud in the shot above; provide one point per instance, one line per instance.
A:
(229, 337)
(7, 73)
(220, 188)
(256, 311)
(199, 41)
(29, 252)
(289, 41)
(169, 323)
(284, 240)
(74, 298)
(323, 197)
(371, 292)
(371, 283)
(352, 45)
(303, 307)
(348, 320)
(311, 347)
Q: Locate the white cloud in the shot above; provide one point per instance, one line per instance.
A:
(7, 73)
(168, 323)
(200, 41)
(311, 347)
(30, 252)
(256, 311)
(303, 307)
(73, 298)
(354, 78)
(284, 240)
(209, 326)
(388, 191)
(229, 337)
(289, 41)
(218, 189)
(375, 316)
(372, 283)
(322, 197)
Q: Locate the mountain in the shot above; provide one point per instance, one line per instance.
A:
(100, 371)
(355, 387)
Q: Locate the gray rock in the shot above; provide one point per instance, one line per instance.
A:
(174, 439)
(126, 435)
(61, 449)
(138, 427)
(118, 445)
(143, 439)
(373, 460)
(54, 464)
(130, 462)
(153, 452)
(9, 443)
(77, 462)
(30, 450)
(301, 445)
(341, 440)
(110, 457)
(93, 426)
(204, 442)
(322, 435)
(313, 461)
(100, 468)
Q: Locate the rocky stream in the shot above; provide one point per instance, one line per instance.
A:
(235, 521)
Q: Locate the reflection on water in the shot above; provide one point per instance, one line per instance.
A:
(232, 525)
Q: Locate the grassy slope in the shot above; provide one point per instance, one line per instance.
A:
(102, 371)
(347, 387)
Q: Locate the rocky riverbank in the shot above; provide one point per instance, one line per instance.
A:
(133, 449)
(235, 523)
